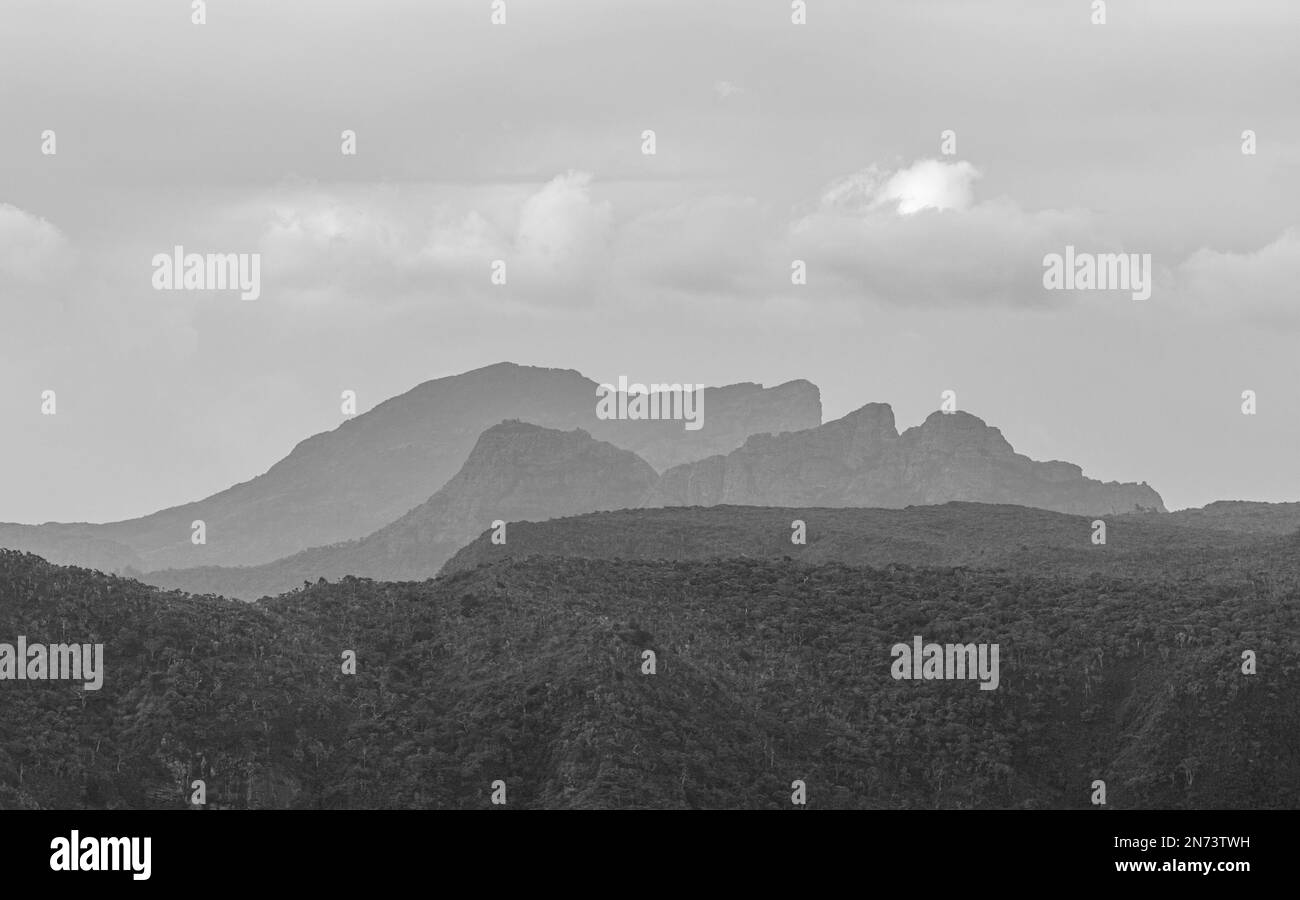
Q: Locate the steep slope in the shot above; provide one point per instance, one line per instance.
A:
(516, 471)
(346, 483)
(766, 671)
(862, 460)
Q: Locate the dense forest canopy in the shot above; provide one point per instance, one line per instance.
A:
(530, 671)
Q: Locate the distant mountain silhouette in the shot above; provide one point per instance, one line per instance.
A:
(376, 496)
(516, 471)
(71, 545)
(346, 483)
(862, 460)
(859, 460)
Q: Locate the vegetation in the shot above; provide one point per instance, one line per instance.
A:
(973, 535)
(768, 670)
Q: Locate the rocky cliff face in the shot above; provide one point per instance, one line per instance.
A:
(346, 483)
(516, 472)
(862, 460)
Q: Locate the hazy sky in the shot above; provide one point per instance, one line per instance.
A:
(523, 142)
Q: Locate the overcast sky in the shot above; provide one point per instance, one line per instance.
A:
(523, 142)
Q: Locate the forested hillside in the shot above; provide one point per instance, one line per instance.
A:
(530, 671)
(975, 535)
(1241, 515)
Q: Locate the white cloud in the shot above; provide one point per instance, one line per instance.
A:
(376, 246)
(930, 184)
(926, 184)
(562, 235)
(918, 236)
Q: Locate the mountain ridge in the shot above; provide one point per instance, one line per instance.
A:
(516, 471)
(345, 483)
(862, 460)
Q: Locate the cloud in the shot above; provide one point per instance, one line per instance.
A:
(715, 245)
(375, 246)
(725, 89)
(32, 251)
(463, 240)
(917, 236)
(926, 184)
(323, 232)
(1258, 284)
(561, 236)
(77, 304)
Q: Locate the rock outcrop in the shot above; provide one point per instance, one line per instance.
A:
(862, 460)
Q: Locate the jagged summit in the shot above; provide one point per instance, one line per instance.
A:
(862, 460)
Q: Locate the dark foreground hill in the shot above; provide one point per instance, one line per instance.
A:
(1242, 516)
(515, 472)
(974, 535)
(768, 671)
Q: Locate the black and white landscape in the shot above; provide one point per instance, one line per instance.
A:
(649, 405)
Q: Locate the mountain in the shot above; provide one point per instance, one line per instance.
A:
(859, 460)
(531, 672)
(516, 471)
(862, 460)
(969, 535)
(346, 483)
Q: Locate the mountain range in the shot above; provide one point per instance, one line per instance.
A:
(393, 493)
(862, 460)
(520, 473)
(500, 624)
(346, 483)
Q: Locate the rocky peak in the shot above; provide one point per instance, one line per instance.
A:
(861, 460)
(957, 432)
